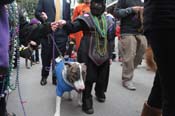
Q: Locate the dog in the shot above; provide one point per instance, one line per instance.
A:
(26, 52)
(149, 57)
(70, 76)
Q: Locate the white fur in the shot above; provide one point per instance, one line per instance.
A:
(58, 103)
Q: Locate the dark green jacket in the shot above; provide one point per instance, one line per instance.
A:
(129, 20)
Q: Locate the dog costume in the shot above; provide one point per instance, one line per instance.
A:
(61, 74)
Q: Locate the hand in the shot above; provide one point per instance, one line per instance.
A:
(61, 23)
(54, 26)
(44, 15)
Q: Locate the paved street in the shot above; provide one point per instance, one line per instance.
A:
(40, 100)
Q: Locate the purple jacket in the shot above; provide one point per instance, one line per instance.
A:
(4, 38)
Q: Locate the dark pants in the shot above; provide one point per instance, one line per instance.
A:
(162, 94)
(2, 99)
(35, 56)
(99, 75)
(47, 55)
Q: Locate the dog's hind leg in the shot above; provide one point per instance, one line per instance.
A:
(70, 96)
(26, 62)
(58, 103)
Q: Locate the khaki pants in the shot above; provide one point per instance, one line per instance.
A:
(132, 49)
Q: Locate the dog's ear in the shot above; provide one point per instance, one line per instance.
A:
(84, 68)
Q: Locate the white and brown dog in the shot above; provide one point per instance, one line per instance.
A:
(70, 76)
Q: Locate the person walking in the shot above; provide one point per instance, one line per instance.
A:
(133, 42)
(95, 50)
(49, 11)
(159, 21)
(35, 55)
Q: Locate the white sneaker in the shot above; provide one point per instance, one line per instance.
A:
(129, 85)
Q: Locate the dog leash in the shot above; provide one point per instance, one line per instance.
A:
(53, 51)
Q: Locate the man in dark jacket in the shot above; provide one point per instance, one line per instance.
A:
(132, 40)
(46, 12)
(159, 27)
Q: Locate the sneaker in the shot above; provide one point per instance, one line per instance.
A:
(129, 85)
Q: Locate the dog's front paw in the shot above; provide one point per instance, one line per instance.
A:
(80, 103)
(57, 114)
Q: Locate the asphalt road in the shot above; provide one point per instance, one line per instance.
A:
(40, 100)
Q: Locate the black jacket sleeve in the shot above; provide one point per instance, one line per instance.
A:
(121, 11)
(34, 33)
(39, 10)
(73, 27)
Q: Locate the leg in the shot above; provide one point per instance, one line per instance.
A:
(37, 56)
(2, 98)
(140, 50)
(164, 60)
(2, 106)
(26, 62)
(79, 98)
(154, 104)
(102, 82)
(46, 56)
(128, 51)
(87, 106)
(58, 103)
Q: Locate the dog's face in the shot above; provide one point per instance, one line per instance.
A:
(76, 73)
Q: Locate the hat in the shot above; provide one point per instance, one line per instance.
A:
(98, 1)
(34, 21)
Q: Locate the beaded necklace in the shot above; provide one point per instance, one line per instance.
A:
(14, 50)
(100, 34)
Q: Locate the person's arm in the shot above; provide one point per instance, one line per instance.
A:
(39, 11)
(77, 25)
(121, 11)
(111, 38)
(3, 2)
(36, 32)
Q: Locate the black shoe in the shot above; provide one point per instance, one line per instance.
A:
(43, 81)
(100, 99)
(88, 111)
(87, 106)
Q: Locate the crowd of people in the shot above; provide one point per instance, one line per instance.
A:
(141, 22)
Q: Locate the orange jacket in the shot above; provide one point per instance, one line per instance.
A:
(117, 33)
(79, 10)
